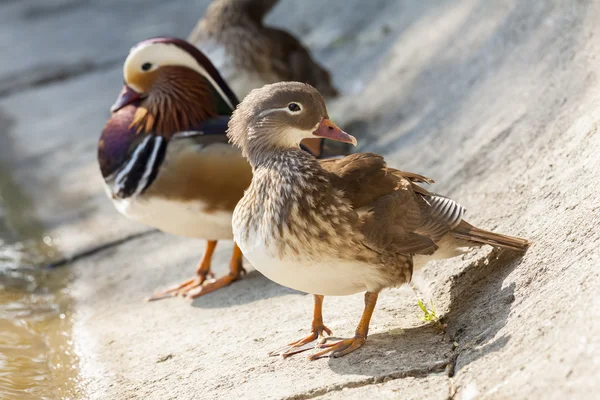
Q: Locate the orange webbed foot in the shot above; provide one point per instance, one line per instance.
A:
(317, 332)
(300, 345)
(346, 346)
(202, 272)
(214, 284)
(236, 270)
(182, 289)
(339, 349)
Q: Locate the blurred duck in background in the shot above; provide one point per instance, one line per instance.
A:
(165, 156)
(249, 54)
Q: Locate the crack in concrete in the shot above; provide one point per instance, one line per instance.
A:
(95, 250)
(450, 369)
(438, 366)
(452, 390)
(43, 75)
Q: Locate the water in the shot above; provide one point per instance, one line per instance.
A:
(37, 356)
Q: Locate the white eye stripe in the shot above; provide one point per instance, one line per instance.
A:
(272, 110)
(164, 54)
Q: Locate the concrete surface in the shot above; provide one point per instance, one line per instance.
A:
(217, 346)
(497, 101)
(408, 388)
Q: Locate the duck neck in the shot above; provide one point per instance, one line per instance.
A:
(273, 158)
(180, 100)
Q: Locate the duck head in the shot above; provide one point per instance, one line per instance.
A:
(174, 85)
(280, 116)
(170, 87)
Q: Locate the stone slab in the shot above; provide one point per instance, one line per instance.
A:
(497, 102)
(433, 387)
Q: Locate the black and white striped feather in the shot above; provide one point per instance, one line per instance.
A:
(445, 209)
(141, 167)
(443, 215)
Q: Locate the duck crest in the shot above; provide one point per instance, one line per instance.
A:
(179, 101)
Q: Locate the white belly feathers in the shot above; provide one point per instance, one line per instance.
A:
(184, 219)
(325, 277)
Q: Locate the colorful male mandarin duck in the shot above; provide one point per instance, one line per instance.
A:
(335, 227)
(249, 54)
(165, 157)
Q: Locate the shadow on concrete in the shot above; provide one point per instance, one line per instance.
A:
(479, 308)
(413, 352)
(367, 35)
(251, 288)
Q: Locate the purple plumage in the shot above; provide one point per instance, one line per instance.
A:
(117, 139)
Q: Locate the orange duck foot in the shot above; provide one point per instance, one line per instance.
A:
(236, 270)
(182, 289)
(202, 272)
(316, 333)
(212, 285)
(346, 346)
(300, 345)
(199, 285)
(339, 349)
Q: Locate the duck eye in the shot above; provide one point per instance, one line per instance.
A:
(293, 107)
(146, 66)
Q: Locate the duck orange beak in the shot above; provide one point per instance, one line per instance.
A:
(126, 97)
(329, 130)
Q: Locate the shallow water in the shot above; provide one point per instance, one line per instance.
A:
(37, 357)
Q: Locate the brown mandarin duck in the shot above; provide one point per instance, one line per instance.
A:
(335, 227)
(165, 157)
(249, 54)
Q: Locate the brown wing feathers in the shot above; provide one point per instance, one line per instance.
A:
(393, 210)
(401, 215)
(362, 177)
(390, 225)
(468, 232)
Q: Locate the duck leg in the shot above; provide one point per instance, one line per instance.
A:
(316, 332)
(346, 346)
(236, 270)
(202, 271)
